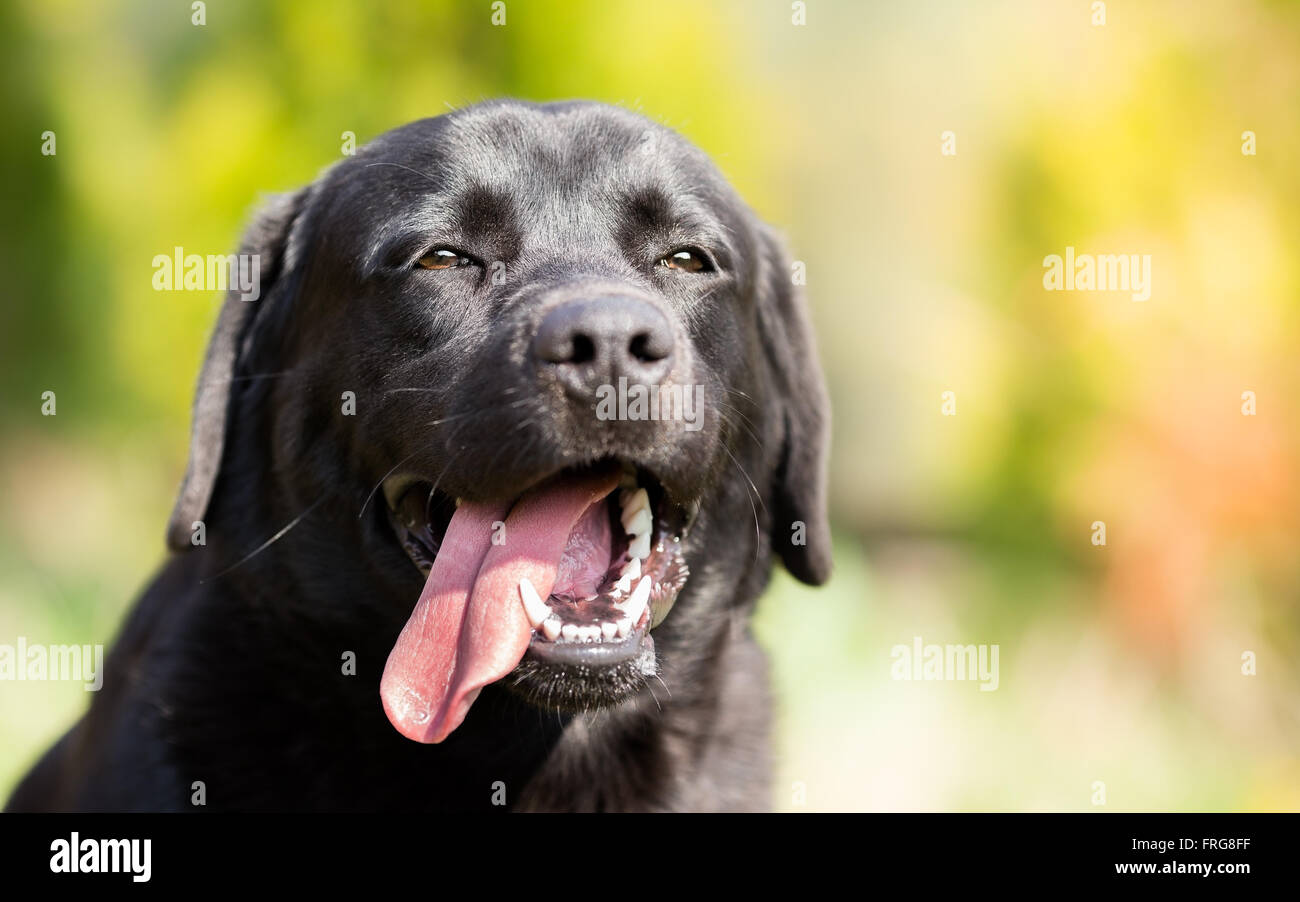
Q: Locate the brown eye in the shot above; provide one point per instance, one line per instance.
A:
(686, 259)
(442, 258)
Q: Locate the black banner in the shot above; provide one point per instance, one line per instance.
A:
(1152, 851)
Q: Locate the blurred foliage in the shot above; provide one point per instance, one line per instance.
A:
(1119, 664)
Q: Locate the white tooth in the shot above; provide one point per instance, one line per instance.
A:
(631, 571)
(634, 503)
(640, 547)
(536, 609)
(624, 627)
(569, 632)
(634, 607)
(639, 523)
(608, 630)
(551, 627)
(589, 633)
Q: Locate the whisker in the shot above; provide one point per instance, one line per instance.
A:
(423, 175)
(654, 697)
(470, 413)
(523, 451)
(500, 450)
(738, 411)
(736, 391)
(455, 455)
(757, 493)
(758, 534)
(362, 512)
(267, 544)
(751, 432)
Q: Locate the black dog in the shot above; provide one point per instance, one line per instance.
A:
(536, 371)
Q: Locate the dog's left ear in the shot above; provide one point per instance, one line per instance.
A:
(269, 239)
(801, 532)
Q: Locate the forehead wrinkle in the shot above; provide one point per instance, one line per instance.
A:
(566, 172)
(575, 148)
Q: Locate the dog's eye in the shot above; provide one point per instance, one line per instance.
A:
(687, 259)
(443, 258)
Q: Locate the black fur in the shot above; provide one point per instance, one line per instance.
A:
(229, 669)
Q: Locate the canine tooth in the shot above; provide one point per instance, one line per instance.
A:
(640, 547)
(634, 607)
(570, 631)
(639, 523)
(634, 502)
(536, 609)
(631, 570)
(632, 514)
(624, 627)
(608, 630)
(551, 626)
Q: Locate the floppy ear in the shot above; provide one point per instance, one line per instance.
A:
(801, 532)
(268, 238)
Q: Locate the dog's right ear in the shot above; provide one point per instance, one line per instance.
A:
(268, 238)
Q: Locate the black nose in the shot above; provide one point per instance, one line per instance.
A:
(590, 342)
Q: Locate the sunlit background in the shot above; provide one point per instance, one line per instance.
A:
(1120, 665)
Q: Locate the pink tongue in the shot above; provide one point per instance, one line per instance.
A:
(469, 629)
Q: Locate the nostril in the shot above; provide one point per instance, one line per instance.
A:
(650, 346)
(644, 348)
(584, 349)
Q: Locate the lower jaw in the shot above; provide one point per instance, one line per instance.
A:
(635, 645)
(564, 679)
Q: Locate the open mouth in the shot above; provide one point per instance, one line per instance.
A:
(559, 588)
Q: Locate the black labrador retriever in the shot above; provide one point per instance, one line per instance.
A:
(482, 489)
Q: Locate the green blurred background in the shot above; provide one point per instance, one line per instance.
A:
(1119, 664)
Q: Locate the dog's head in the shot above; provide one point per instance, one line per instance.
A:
(563, 373)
